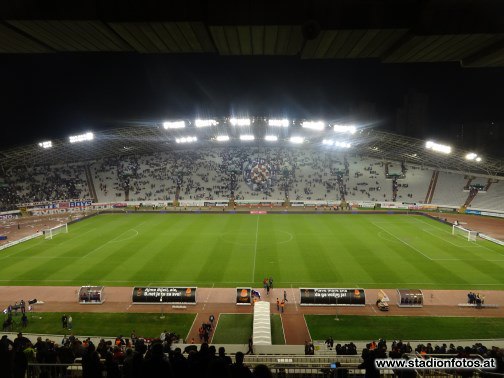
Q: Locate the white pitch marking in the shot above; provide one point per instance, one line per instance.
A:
(409, 245)
(294, 298)
(448, 232)
(208, 297)
(447, 241)
(113, 241)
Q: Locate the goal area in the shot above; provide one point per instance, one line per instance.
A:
(470, 235)
(52, 232)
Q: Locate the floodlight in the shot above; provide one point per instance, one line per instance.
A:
(271, 138)
(190, 139)
(279, 122)
(247, 137)
(328, 142)
(222, 138)
(313, 125)
(471, 156)
(46, 144)
(350, 129)
(205, 122)
(174, 125)
(478, 159)
(240, 121)
(296, 139)
(81, 137)
(438, 147)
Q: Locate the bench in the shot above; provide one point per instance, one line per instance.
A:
(478, 306)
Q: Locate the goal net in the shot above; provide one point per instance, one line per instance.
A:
(51, 232)
(467, 234)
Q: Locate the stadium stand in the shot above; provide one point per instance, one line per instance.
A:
(44, 183)
(417, 182)
(221, 173)
(367, 182)
(450, 189)
(492, 199)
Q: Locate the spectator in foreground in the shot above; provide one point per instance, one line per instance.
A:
(238, 369)
(262, 371)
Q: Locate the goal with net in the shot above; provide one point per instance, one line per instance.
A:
(51, 232)
(464, 232)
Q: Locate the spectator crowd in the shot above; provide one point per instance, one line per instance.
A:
(253, 173)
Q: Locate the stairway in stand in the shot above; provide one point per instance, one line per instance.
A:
(90, 182)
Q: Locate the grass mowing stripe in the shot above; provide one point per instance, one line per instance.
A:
(402, 241)
(255, 249)
(233, 329)
(305, 249)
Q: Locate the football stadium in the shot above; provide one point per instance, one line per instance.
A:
(247, 244)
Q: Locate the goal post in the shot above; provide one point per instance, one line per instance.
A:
(470, 235)
(51, 232)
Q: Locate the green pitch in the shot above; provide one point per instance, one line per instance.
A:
(227, 250)
(237, 328)
(107, 324)
(403, 327)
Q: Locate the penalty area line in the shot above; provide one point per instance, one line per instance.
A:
(402, 241)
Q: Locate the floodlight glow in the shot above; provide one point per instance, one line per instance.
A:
(81, 137)
(174, 125)
(329, 142)
(240, 121)
(279, 122)
(46, 144)
(345, 129)
(471, 156)
(271, 138)
(247, 137)
(343, 144)
(478, 159)
(313, 125)
(222, 138)
(205, 122)
(296, 139)
(438, 147)
(190, 139)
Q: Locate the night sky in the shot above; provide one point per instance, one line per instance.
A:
(56, 95)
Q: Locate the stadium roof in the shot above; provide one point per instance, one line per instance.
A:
(151, 138)
(398, 31)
